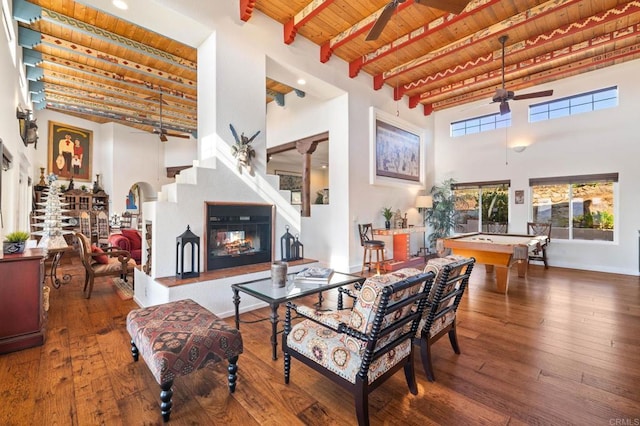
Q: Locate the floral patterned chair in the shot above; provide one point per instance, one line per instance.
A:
(439, 318)
(359, 348)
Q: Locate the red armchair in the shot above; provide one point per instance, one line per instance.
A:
(129, 240)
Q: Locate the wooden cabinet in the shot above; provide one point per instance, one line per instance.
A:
(22, 317)
(78, 200)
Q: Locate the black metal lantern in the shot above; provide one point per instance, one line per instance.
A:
(286, 242)
(297, 249)
(187, 238)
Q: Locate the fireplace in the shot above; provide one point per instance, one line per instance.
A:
(238, 234)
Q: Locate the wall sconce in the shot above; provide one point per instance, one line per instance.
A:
(519, 148)
(28, 127)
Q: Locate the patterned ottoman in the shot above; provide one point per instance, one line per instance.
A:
(177, 338)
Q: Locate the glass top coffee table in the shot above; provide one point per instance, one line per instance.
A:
(274, 296)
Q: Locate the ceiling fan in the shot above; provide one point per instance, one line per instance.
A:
(503, 95)
(161, 131)
(452, 6)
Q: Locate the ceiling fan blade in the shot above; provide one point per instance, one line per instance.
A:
(533, 95)
(383, 19)
(452, 6)
(504, 108)
(176, 135)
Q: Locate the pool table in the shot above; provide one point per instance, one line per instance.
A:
(496, 250)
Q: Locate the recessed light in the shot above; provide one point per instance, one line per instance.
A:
(302, 81)
(120, 4)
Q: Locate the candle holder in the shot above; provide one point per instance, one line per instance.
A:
(42, 181)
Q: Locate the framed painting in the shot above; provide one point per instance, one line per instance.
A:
(396, 151)
(296, 197)
(70, 151)
(291, 181)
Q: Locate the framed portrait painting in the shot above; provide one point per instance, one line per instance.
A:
(70, 151)
(396, 151)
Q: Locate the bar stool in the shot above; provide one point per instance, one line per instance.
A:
(370, 245)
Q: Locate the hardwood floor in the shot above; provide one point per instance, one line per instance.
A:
(563, 347)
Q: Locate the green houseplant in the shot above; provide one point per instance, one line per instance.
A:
(443, 215)
(388, 214)
(14, 242)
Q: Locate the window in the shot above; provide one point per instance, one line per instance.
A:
(480, 124)
(481, 205)
(578, 207)
(572, 105)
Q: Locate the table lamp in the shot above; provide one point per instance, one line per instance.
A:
(424, 202)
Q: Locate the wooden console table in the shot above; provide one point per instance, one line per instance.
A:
(402, 257)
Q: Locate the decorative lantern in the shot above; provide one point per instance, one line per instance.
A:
(286, 242)
(298, 249)
(182, 241)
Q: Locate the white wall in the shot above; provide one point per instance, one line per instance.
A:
(15, 190)
(597, 142)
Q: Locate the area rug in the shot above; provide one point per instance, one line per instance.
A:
(123, 289)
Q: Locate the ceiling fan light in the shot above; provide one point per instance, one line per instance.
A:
(504, 108)
(120, 4)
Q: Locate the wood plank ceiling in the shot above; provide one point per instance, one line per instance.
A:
(87, 63)
(439, 59)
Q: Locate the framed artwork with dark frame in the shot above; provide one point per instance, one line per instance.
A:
(296, 197)
(291, 181)
(519, 196)
(70, 151)
(396, 151)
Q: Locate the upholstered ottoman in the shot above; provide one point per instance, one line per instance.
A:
(177, 338)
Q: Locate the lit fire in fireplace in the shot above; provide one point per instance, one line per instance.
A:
(232, 243)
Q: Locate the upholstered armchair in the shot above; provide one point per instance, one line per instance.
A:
(439, 318)
(129, 240)
(361, 347)
(99, 262)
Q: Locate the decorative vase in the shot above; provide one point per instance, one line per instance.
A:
(279, 274)
(13, 248)
(387, 224)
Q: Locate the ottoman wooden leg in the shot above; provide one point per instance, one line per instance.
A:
(134, 350)
(233, 377)
(166, 394)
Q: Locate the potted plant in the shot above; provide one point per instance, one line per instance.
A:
(443, 215)
(388, 214)
(14, 242)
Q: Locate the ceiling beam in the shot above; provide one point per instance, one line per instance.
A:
(526, 17)
(326, 50)
(310, 11)
(32, 39)
(545, 64)
(429, 29)
(246, 9)
(539, 40)
(29, 13)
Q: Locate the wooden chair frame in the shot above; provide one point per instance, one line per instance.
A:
(370, 246)
(408, 324)
(540, 252)
(445, 297)
(93, 269)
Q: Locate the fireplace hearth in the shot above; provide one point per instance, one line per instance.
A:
(238, 234)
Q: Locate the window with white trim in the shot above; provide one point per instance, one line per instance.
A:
(482, 205)
(480, 124)
(576, 104)
(578, 207)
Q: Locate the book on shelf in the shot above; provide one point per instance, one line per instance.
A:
(315, 274)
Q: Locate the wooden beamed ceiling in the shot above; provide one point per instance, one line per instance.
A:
(439, 59)
(89, 64)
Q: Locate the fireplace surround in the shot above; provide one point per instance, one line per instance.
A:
(238, 234)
